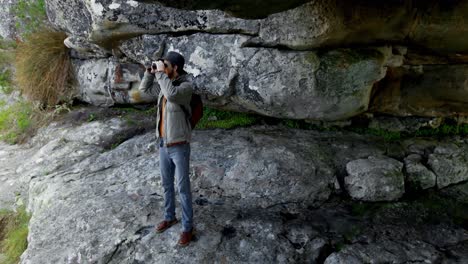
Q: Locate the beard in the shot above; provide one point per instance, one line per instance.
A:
(171, 74)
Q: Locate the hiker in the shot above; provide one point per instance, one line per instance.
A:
(173, 130)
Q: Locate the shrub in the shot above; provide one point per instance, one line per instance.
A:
(7, 55)
(5, 82)
(43, 67)
(13, 234)
(14, 121)
(19, 120)
(213, 118)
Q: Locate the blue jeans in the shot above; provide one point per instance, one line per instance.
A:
(175, 160)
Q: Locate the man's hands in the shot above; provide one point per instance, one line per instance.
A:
(157, 66)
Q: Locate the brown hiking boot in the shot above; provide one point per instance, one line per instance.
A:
(186, 237)
(165, 225)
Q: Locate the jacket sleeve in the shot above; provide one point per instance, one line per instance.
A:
(148, 85)
(177, 94)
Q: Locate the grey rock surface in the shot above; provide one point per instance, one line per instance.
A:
(287, 84)
(7, 20)
(10, 186)
(105, 21)
(106, 82)
(291, 64)
(261, 194)
(311, 25)
(423, 90)
(337, 23)
(449, 164)
(81, 48)
(417, 175)
(375, 179)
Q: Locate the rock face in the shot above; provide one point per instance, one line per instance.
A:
(449, 164)
(418, 176)
(261, 194)
(242, 8)
(260, 79)
(316, 60)
(375, 179)
(311, 25)
(428, 90)
(338, 23)
(105, 21)
(7, 23)
(106, 82)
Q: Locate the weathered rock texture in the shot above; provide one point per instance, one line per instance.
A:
(7, 22)
(424, 90)
(375, 179)
(319, 60)
(261, 194)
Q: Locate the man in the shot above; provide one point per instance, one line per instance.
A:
(173, 131)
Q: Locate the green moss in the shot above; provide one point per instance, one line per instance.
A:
(6, 86)
(444, 130)
(91, 117)
(365, 208)
(6, 44)
(13, 237)
(14, 121)
(385, 134)
(213, 118)
(30, 16)
(352, 233)
(7, 55)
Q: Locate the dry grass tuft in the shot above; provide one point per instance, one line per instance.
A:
(43, 67)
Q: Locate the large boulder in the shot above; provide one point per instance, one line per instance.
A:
(437, 26)
(289, 84)
(450, 164)
(417, 175)
(316, 24)
(106, 22)
(107, 82)
(257, 65)
(375, 179)
(261, 194)
(238, 8)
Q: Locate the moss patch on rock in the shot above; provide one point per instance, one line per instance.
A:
(13, 234)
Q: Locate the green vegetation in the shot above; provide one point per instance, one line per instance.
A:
(15, 120)
(13, 233)
(20, 120)
(7, 55)
(365, 208)
(213, 118)
(30, 16)
(352, 233)
(91, 117)
(385, 134)
(444, 130)
(5, 82)
(43, 67)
